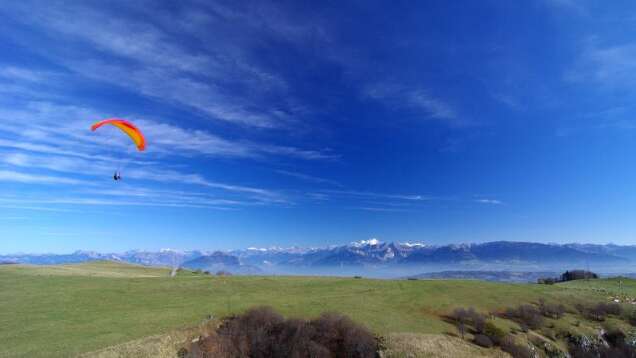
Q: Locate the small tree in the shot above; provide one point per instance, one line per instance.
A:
(461, 327)
(597, 313)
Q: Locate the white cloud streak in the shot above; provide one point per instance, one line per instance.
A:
(33, 122)
(309, 178)
(97, 168)
(18, 177)
(365, 194)
(610, 65)
(24, 203)
(489, 201)
(418, 99)
(197, 80)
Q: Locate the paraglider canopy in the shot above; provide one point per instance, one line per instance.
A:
(133, 132)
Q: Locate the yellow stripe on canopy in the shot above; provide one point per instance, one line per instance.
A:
(131, 133)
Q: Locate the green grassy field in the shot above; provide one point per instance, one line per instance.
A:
(65, 310)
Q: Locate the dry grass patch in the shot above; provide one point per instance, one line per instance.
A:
(413, 345)
(94, 269)
(158, 346)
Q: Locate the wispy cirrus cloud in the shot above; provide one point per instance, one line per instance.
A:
(309, 178)
(124, 52)
(366, 194)
(75, 201)
(489, 201)
(177, 140)
(68, 147)
(19, 177)
(102, 169)
(508, 100)
(382, 209)
(414, 98)
(35, 208)
(33, 121)
(24, 74)
(609, 65)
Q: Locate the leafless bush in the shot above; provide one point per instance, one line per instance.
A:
(509, 345)
(483, 340)
(479, 322)
(632, 318)
(612, 308)
(601, 310)
(263, 333)
(527, 315)
(551, 310)
(468, 317)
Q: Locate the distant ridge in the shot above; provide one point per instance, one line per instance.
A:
(362, 254)
(496, 276)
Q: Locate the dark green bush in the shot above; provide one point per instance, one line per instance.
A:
(493, 332)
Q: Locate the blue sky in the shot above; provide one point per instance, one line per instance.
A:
(289, 123)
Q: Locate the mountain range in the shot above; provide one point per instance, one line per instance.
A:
(368, 255)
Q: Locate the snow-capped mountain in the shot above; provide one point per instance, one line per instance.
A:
(371, 253)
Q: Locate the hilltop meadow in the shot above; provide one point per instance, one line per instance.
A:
(68, 310)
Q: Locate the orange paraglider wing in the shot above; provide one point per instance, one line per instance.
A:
(133, 132)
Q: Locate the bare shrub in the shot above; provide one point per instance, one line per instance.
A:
(527, 315)
(479, 323)
(263, 333)
(551, 310)
(509, 345)
(483, 340)
(469, 317)
(344, 337)
(632, 318)
(612, 308)
(601, 310)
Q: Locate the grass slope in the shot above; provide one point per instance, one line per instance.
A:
(65, 310)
